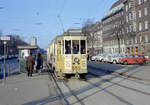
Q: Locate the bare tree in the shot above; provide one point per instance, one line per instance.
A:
(118, 34)
(89, 30)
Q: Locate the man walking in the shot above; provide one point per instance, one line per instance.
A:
(30, 64)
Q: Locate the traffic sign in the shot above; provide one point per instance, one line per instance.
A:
(5, 38)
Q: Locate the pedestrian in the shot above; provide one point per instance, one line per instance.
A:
(30, 65)
(39, 63)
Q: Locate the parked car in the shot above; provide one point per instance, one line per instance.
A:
(106, 58)
(132, 59)
(93, 58)
(116, 58)
(100, 57)
(145, 58)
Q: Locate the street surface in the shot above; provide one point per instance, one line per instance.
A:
(107, 88)
(105, 84)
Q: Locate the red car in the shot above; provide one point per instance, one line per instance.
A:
(145, 59)
(132, 59)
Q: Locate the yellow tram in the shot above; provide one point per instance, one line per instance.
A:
(67, 54)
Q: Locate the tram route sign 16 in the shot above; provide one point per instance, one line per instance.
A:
(5, 38)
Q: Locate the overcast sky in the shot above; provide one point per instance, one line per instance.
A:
(39, 17)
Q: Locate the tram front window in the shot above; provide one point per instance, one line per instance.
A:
(83, 47)
(67, 46)
(75, 46)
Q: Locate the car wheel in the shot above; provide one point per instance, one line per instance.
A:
(114, 62)
(125, 62)
(103, 60)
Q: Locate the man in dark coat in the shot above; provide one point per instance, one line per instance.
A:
(30, 64)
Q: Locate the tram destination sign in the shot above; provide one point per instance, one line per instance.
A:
(5, 38)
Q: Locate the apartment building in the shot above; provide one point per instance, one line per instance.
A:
(114, 29)
(126, 27)
(94, 37)
(137, 14)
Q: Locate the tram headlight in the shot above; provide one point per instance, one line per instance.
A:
(76, 60)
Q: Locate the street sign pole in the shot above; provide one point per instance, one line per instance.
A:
(4, 67)
(4, 39)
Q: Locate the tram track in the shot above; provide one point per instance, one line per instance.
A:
(122, 74)
(70, 92)
(120, 85)
(63, 95)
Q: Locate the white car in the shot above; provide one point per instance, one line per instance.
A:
(100, 57)
(106, 58)
(116, 59)
(93, 58)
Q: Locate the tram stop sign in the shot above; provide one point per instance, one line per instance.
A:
(5, 38)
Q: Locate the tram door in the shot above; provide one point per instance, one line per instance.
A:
(76, 55)
(59, 55)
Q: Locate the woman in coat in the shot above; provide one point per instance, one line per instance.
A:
(39, 63)
(30, 65)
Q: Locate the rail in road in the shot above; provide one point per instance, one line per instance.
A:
(63, 95)
(120, 74)
(123, 86)
(91, 85)
(10, 66)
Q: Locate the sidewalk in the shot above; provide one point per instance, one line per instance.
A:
(23, 90)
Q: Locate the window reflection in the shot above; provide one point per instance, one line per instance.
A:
(83, 47)
(67, 46)
(75, 46)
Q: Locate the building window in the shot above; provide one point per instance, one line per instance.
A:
(126, 8)
(140, 38)
(130, 16)
(146, 38)
(130, 4)
(145, 11)
(139, 13)
(139, 2)
(134, 15)
(140, 26)
(145, 0)
(146, 25)
(127, 29)
(127, 19)
(135, 39)
(134, 27)
(131, 41)
(130, 28)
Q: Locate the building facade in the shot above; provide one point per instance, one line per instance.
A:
(126, 27)
(33, 41)
(113, 29)
(94, 37)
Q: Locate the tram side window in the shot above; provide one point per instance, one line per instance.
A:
(62, 46)
(83, 47)
(75, 46)
(67, 46)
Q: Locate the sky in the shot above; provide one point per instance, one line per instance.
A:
(39, 18)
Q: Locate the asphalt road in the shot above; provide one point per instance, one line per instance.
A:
(103, 86)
